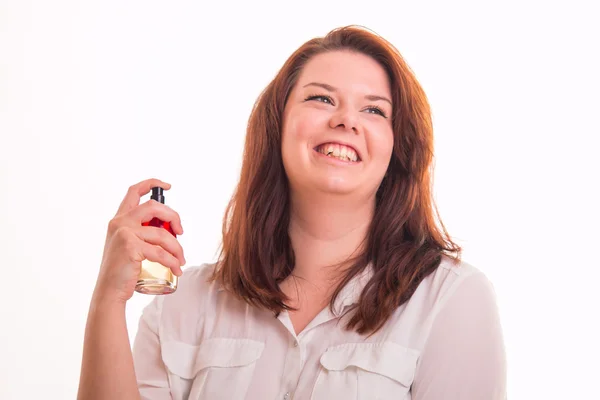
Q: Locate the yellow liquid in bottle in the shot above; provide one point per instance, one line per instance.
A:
(155, 279)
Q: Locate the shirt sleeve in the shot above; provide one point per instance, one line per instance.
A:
(151, 374)
(464, 357)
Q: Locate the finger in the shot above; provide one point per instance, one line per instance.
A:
(158, 254)
(160, 237)
(151, 209)
(137, 191)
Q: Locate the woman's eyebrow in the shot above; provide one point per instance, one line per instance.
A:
(322, 85)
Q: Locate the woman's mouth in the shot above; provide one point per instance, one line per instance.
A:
(339, 151)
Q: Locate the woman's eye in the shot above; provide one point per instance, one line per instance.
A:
(376, 110)
(323, 99)
(328, 100)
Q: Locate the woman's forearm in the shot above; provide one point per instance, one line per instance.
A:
(107, 370)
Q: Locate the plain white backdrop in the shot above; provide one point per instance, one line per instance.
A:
(96, 96)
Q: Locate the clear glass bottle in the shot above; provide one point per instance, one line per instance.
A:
(155, 278)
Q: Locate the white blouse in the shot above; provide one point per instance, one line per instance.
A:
(445, 343)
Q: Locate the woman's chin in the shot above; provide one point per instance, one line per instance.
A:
(316, 182)
(336, 185)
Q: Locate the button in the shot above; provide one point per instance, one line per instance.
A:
(295, 343)
(287, 396)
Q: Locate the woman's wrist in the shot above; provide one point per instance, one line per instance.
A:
(104, 300)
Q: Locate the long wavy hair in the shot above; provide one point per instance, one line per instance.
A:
(404, 243)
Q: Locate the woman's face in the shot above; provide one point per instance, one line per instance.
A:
(337, 127)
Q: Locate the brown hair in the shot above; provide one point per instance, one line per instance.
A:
(403, 243)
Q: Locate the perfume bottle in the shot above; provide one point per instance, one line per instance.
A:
(155, 278)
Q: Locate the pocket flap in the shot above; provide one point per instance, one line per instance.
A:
(187, 360)
(385, 358)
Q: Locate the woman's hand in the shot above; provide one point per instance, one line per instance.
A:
(128, 243)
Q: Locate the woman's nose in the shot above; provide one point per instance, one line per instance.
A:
(346, 119)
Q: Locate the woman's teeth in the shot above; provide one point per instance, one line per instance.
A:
(338, 151)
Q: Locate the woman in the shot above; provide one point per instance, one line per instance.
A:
(334, 281)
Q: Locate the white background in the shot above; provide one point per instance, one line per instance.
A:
(96, 96)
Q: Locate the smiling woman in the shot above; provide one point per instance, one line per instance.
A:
(339, 112)
(335, 281)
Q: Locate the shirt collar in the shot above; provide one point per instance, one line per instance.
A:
(350, 294)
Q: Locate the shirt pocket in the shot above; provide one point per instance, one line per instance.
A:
(218, 368)
(366, 371)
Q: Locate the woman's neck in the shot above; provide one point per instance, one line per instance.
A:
(326, 231)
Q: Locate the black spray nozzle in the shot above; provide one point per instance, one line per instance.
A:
(157, 194)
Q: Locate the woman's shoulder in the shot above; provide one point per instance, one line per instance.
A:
(198, 274)
(457, 284)
(196, 291)
(197, 281)
(456, 268)
(450, 278)
(451, 272)
(453, 278)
